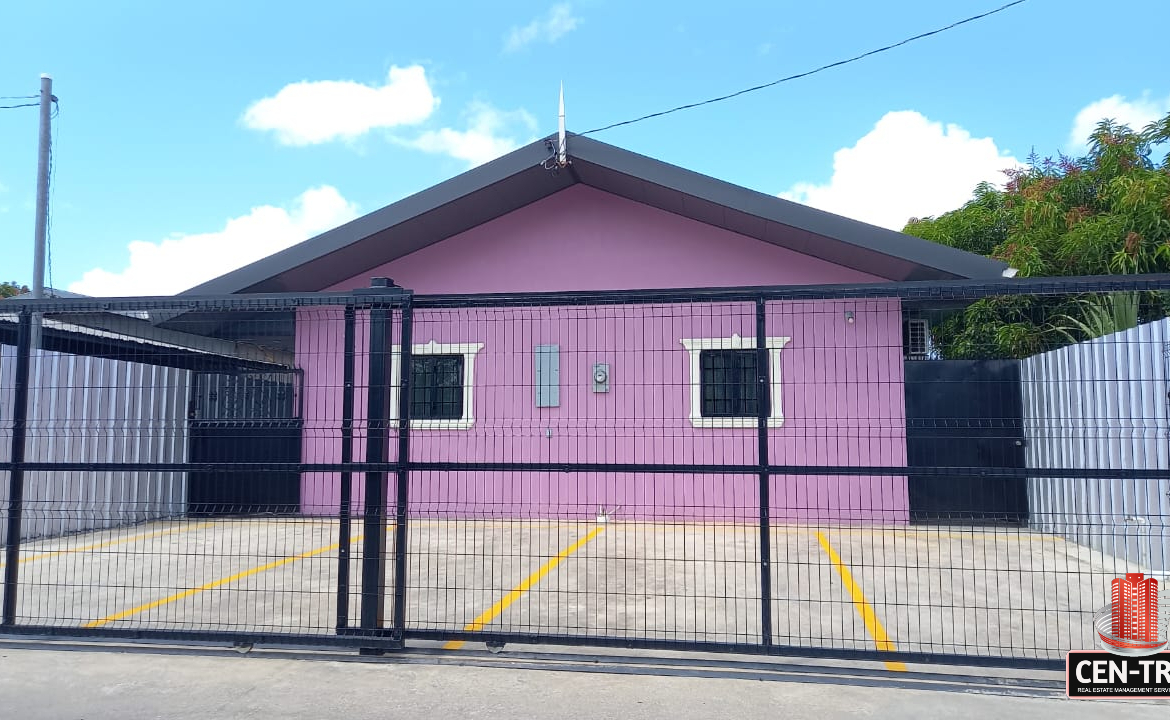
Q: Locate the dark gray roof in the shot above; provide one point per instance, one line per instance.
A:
(519, 178)
(50, 293)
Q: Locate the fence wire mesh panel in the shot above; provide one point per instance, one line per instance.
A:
(559, 550)
(161, 474)
(905, 472)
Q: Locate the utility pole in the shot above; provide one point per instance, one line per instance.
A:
(38, 287)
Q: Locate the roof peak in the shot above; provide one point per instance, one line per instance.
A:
(524, 176)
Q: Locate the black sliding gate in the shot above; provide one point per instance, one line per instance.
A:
(246, 419)
(757, 470)
(990, 434)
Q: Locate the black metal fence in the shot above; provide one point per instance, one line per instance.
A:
(902, 472)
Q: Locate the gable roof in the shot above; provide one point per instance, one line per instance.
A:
(520, 178)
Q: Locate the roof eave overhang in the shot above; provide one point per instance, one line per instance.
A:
(519, 179)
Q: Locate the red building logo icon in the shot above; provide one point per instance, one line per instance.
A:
(1135, 608)
(1132, 624)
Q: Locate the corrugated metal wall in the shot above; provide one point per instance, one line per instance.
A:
(87, 409)
(1103, 403)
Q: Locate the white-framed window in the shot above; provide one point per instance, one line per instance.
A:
(442, 385)
(723, 383)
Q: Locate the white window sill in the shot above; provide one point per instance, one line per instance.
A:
(730, 422)
(463, 423)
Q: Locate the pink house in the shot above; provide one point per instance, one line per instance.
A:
(661, 383)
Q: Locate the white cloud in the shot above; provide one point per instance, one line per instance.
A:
(490, 133)
(552, 27)
(1136, 114)
(183, 261)
(308, 113)
(907, 166)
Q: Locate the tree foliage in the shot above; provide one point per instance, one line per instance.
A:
(12, 289)
(1107, 212)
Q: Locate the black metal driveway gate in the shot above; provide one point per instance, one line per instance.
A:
(717, 470)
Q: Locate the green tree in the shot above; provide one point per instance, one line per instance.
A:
(1107, 212)
(11, 289)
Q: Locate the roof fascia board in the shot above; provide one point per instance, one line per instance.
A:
(775, 209)
(343, 236)
(640, 169)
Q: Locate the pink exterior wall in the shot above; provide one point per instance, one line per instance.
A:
(585, 239)
(842, 391)
(841, 394)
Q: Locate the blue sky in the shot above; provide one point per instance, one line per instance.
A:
(196, 137)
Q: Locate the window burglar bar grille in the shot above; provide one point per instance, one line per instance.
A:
(438, 387)
(247, 469)
(729, 383)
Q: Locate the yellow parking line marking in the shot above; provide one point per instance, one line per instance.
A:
(502, 604)
(214, 584)
(872, 624)
(111, 543)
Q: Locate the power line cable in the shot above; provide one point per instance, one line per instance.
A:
(19, 97)
(13, 107)
(822, 68)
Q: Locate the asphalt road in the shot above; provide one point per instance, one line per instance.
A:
(95, 683)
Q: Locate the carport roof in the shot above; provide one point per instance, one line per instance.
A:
(521, 178)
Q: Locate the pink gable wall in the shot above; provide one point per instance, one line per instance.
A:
(585, 239)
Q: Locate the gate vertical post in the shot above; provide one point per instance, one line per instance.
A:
(373, 602)
(345, 510)
(763, 411)
(16, 474)
(403, 479)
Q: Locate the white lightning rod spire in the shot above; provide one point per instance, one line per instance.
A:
(562, 150)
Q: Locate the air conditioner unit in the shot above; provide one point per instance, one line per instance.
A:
(917, 338)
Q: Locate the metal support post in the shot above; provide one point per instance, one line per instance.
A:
(764, 410)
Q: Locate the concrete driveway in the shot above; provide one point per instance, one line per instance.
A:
(975, 591)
